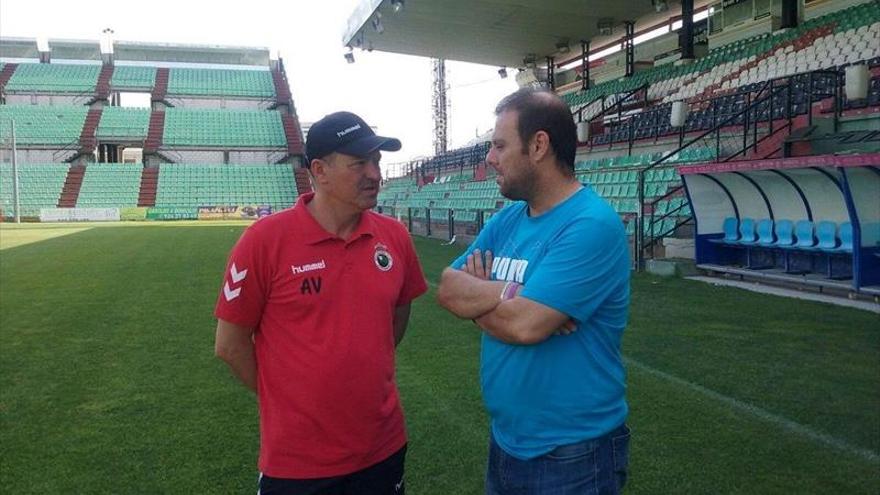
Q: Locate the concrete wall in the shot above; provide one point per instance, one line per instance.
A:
(187, 156)
(44, 99)
(256, 157)
(214, 103)
(34, 155)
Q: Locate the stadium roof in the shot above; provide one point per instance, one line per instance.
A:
(137, 51)
(495, 32)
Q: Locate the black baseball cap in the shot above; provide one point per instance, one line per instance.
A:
(345, 132)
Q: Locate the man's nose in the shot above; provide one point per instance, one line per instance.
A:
(373, 170)
(492, 157)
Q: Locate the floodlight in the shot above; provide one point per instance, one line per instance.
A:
(605, 26)
(377, 23)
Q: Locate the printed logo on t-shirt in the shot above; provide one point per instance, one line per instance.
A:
(509, 269)
(383, 258)
(308, 267)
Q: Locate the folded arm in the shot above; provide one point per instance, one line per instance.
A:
(468, 293)
(523, 321)
(467, 296)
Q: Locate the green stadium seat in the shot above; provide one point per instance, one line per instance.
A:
(133, 77)
(44, 124)
(226, 185)
(124, 123)
(110, 185)
(226, 128)
(221, 82)
(40, 186)
(54, 78)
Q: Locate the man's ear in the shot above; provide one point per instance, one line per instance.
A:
(318, 169)
(539, 145)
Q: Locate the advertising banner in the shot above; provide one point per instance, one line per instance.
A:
(133, 213)
(79, 214)
(233, 212)
(170, 213)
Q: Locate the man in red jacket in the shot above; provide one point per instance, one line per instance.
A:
(314, 301)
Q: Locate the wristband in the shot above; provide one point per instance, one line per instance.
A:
(509, 290)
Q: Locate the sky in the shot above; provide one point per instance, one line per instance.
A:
(391, 92)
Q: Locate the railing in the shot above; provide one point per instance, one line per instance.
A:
(122, 133)
(652, 224)
(278, 156)
(621, 99)
(715, 129)
(170, 155)
(268, 102)
(448, 226)
(460, 158)
(71, 146)
(754, 132)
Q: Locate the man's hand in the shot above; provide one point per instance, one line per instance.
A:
(567, 328)
(477, 267)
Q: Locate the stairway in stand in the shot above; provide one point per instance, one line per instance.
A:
(88, 139)
(102, 90)
(72, 184)
(293, 134)
(155, 131)
(160, 86)
(282, 89)
(303, 184)
(149, 186)
(6, 74)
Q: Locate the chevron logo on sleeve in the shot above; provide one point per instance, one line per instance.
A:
(230, 294)
(237, 276)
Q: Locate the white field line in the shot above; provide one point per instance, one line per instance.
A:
(780, 421)
(762, 414)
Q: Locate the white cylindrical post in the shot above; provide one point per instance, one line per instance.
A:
(678, 115)
(15, 191)
(583, 131)
(856, 85)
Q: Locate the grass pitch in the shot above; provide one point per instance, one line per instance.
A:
(108, 381)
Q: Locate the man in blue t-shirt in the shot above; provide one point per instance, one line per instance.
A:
(547, 280)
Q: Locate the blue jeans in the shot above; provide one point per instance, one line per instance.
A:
(592, 467)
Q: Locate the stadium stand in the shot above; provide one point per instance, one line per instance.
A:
(754, 106)
(55, 78)
(44, 125)
(233, 128)
(40, 186)
(182, 185)
(752, 102)
(831, 41)
(221, 82)
(240, 112)
(110, 185)
(124, 123)
(126, 77)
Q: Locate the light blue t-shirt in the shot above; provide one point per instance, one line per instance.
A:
(569, 388)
